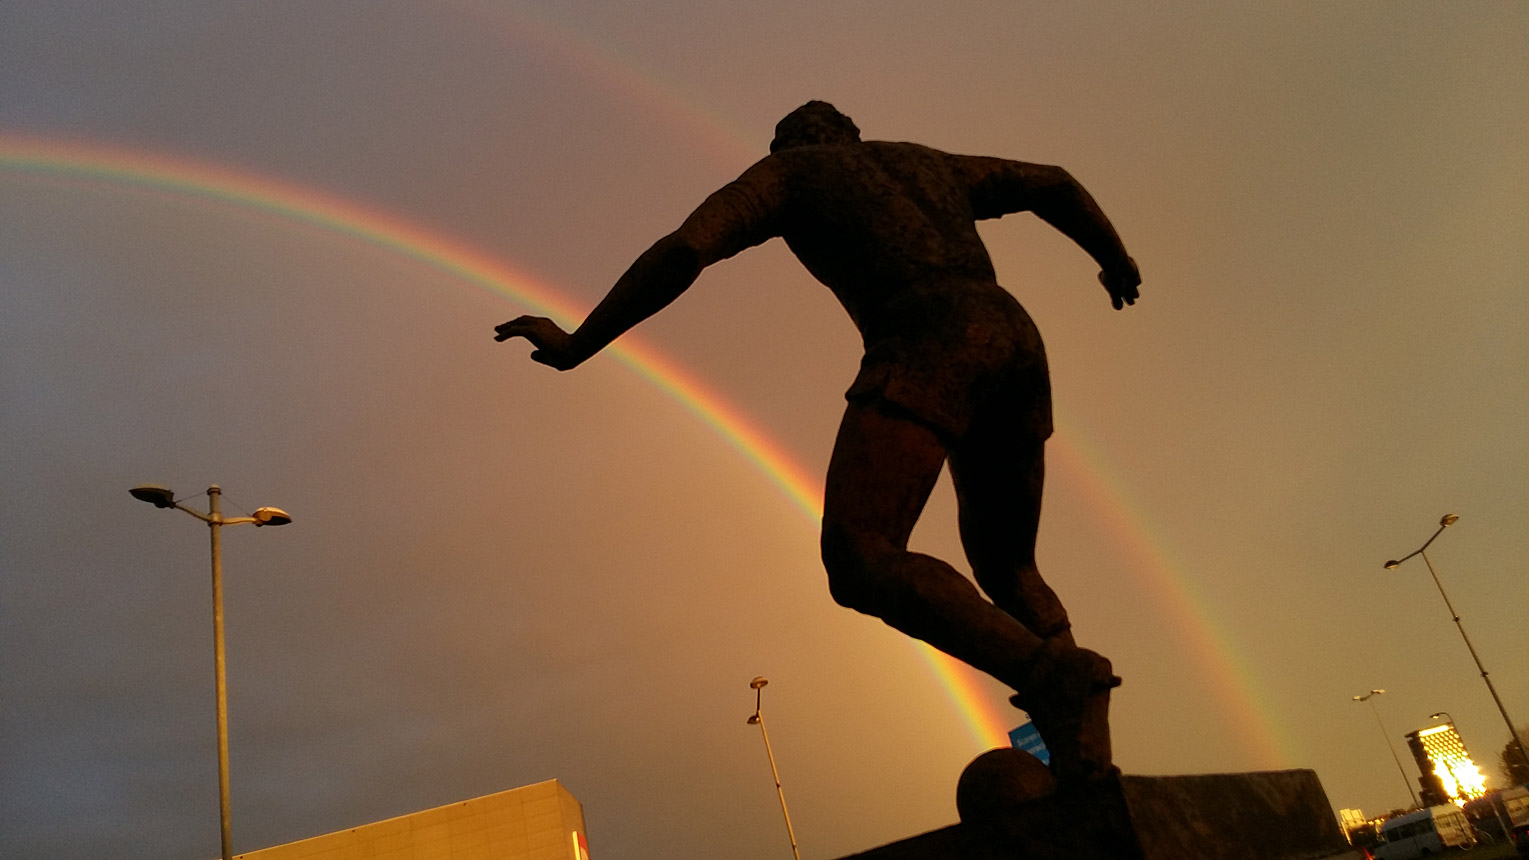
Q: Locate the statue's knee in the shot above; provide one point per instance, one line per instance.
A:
(848, 571)
(849, 591)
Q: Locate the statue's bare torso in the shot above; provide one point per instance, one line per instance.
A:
(878, 219)
(890, 229)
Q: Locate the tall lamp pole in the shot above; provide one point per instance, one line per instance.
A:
(757, 718)
(1399, 769)
(161, 497)
(1445, 522)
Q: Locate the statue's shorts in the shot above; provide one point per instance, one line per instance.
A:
(959, 356)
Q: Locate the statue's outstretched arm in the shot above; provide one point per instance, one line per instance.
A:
(649, 285)
(1000, 187)
(737, 217)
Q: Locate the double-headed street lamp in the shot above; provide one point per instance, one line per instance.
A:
(1445, 522)
(1376, 711)
(161, 497)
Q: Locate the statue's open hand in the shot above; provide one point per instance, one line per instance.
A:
(553, 345)
(1122, 281)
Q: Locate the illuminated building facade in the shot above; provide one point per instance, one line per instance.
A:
(1449, 775)
(1360, 831)
(536, 822)
(1348, 819)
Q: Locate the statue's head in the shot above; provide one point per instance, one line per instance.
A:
(814, 123)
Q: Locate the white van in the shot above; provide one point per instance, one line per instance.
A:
(1423, 833)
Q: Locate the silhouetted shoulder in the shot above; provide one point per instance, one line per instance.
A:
(1002, 186)
(740, 214)
(913, 156)
(845, 170)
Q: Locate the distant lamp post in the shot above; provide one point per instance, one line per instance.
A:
(1445, 522)
(757, 719)
(161, 497)
(1394, 757)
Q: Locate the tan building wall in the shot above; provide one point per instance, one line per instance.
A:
(536, 822)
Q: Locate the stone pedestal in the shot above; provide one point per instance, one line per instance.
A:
(1011, 810)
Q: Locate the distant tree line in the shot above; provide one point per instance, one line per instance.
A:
(1511, 761)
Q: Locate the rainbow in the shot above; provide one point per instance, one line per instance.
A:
(710, 133)
(49, 159)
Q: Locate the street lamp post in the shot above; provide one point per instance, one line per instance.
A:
(1383, 733)
(161, 497)
(757, 718)
(1445, 522)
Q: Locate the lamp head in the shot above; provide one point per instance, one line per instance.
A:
(1376, 692)
(1447, 520)
(159, 497)
(271, 517)
(758, 682)
(1391, 565)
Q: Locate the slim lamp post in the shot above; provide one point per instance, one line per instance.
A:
(757, 718)
(1399, 769)
(161, 497)
(1445, 522)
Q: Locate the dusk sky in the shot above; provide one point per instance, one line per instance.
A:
(264, 245)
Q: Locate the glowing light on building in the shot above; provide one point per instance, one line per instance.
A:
(1350, 820)
(1440, 753)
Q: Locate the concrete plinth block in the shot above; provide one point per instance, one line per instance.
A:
(1279, 815)
(1011, 810)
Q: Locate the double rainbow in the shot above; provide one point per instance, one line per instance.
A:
(48, 159)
